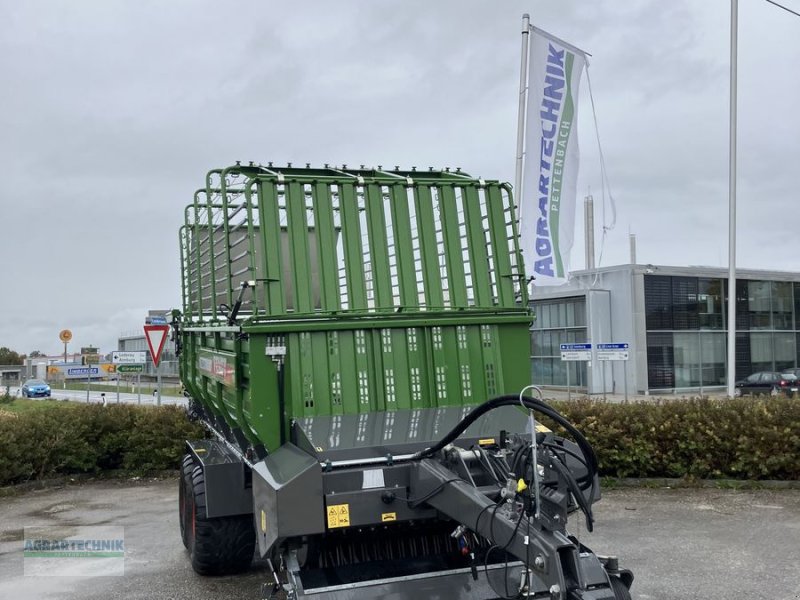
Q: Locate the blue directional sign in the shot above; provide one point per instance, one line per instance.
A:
(83, 371)
(612, 351)
(576, 352)
(576, 347)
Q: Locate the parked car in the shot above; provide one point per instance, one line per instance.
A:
(795, 372)
(768, 382)
(35, 388)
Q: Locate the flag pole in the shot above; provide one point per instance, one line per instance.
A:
(732, 204)
(523, 107)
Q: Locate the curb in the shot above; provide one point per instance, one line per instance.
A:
(610, 483)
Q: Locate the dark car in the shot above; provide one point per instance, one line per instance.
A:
(795, 372)
(35, 388)
(768, 382)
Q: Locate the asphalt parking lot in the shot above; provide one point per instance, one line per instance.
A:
(681, 544)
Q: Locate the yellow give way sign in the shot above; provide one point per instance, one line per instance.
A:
(338, 515)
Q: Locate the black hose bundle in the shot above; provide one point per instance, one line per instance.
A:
(538, 406)
(541, 407)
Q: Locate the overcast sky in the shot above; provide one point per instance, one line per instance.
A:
(111, 113)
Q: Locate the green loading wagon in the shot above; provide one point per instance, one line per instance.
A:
(341, 332)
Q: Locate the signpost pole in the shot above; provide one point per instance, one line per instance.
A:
(604, 380)
(65, 336)
(569, 394)
(158, 384)
(700, 347)
(625, 377)
(88, 380)
(139, 387)
(117, 388)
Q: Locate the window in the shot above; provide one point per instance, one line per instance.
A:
(558, 322)
(709, 303)
(684, 303)
(658, 301)
(761, 351)
(686, 353)
(713, 351)
(783, 346)
(660, 361)
(781, 296)
(758, 304)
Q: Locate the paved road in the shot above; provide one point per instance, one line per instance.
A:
(111, 396)
(682, 544)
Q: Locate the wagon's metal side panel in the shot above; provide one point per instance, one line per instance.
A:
(367, 290)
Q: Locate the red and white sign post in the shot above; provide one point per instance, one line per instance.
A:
(156, 336)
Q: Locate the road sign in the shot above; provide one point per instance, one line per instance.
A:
(576, 352)
(121, 357)
(83, 371)
(156, 336)
(130, 368)
(612, 351)
(65, 335)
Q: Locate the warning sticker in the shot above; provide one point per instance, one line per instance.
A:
(486, 442)
(386, 517)
(338, 515)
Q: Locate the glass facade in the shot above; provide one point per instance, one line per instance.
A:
(687, 328)
(558, 322)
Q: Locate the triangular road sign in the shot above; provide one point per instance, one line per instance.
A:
(156, 337)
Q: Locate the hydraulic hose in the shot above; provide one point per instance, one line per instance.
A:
(511, 400)
(577, 493)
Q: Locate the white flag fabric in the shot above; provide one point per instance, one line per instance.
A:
(549, 194)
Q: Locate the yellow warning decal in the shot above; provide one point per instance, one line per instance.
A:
(486, 442)
(263, 521)
(386, 517)
(542, 429)
(338, 515)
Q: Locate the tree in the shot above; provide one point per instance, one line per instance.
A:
(9, 357)
(36, 354)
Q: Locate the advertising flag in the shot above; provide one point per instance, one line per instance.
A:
(549, 194)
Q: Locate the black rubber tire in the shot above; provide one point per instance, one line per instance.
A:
(184, 494)
(621, 591)
(219, 546)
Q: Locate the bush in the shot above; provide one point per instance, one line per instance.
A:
(697, 438)
(707, 438)
(91, 438)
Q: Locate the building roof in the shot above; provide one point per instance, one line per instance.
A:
(693, 271)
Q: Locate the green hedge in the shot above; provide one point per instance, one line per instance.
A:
(700, 438)
(91, 438)
(706, 438)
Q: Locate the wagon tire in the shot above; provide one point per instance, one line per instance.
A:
(621, 591)
(184, 498)
(221, 545)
